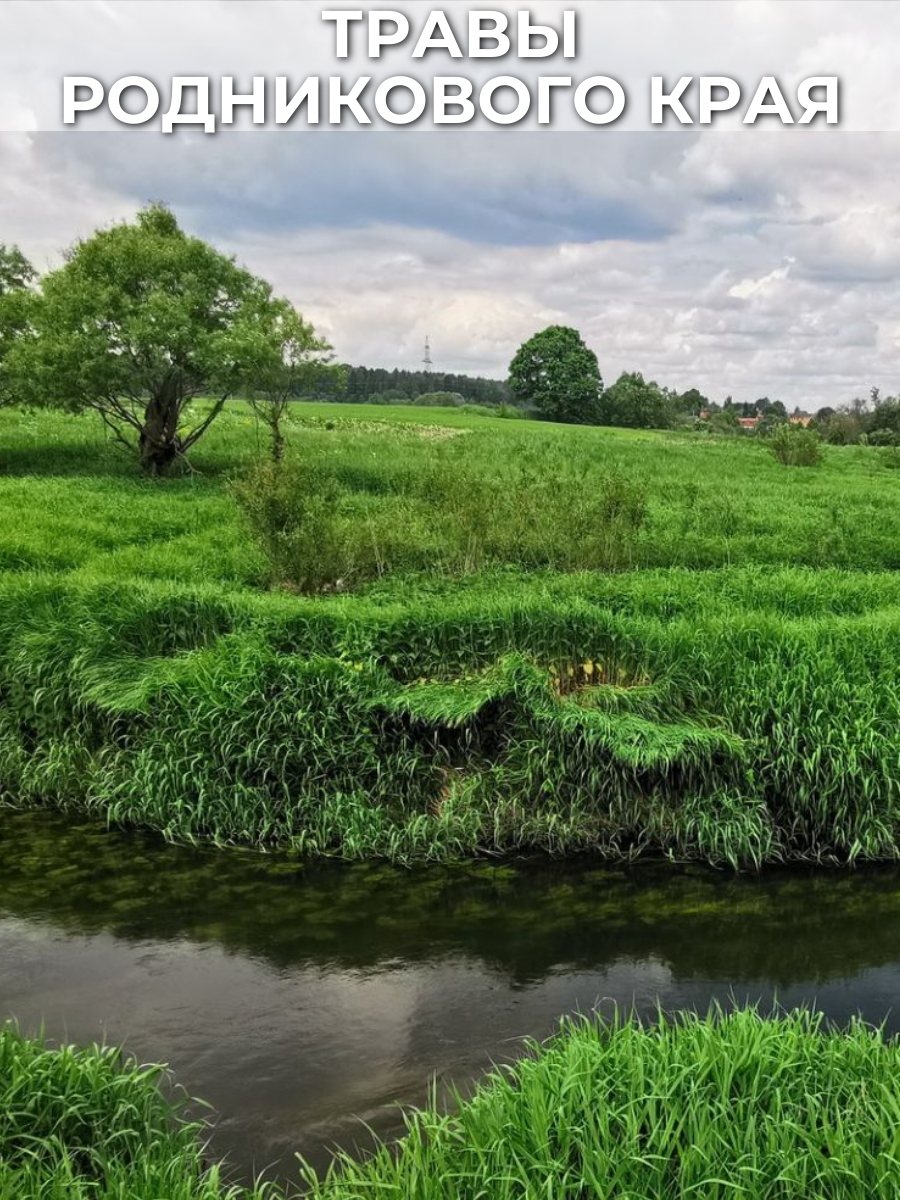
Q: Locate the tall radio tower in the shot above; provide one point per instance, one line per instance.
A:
(427, 360)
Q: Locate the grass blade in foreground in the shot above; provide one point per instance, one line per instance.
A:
(720, 1107)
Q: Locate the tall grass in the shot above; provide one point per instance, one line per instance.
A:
(90, 1124)
(69, 502)
(720, 1107)
(451, 518)
(739, 716)
(480, 690)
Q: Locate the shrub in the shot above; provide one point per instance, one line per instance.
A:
(794, 446)
(440, 400)
(882, 437)
(294, 513)
(511, 411)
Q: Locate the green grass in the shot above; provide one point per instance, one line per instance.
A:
(91, 1124)
(721, 683)
(722, 1106)
(70, 500)
(718, 1107)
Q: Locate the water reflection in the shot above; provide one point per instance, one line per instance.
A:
(300, 1000)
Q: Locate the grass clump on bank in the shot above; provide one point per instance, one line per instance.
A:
(90, 1124)
(719, 1107)
(738, 716)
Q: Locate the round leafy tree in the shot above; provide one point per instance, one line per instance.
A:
(557, 373)
(635, 403)
(139, 321)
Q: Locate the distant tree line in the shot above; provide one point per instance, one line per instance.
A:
(557, 374)
(381, 386)
(873, 421)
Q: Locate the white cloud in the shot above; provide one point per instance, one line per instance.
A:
(733, 261)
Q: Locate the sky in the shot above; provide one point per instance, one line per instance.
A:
(745, 262)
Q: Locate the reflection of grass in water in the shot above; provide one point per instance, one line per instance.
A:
(522, 921)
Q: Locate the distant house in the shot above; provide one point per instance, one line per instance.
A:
(703, 415)
(799, 418)
(749, 422)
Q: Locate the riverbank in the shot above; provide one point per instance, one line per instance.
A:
(91, 1124)
(303, 998)
(686, 1106)
(737, 716)
(720, 686)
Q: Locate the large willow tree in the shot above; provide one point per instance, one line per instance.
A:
(140, 320)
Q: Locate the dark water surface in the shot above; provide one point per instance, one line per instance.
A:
(301, 1000)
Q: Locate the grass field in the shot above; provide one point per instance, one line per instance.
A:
(721, 1106)
(547, 637)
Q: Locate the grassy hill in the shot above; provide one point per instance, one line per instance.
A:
(518, 636)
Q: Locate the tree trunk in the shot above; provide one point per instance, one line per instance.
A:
(159, 443)
(277, 441)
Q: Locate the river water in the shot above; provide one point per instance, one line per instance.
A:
(302, 1001)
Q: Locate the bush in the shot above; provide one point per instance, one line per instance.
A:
(634, 403)
(881, 437)
(794, 446)
(440, 400)
(511, 411)
(314, 538)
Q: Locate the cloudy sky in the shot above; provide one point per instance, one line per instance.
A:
(744, 261)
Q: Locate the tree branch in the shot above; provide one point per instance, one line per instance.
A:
(117, 433)
(197, 433)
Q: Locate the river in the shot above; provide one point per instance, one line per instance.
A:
(301, 1001)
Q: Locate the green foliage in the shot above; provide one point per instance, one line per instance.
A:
(450, 516)
(281, 356)
(439, 400)
(377, 385)
(725, 697)
(722, 1106)
(738, 716)
(692, 402)
(16, 272)
(90, 1124)
(555, 372)
(794, 446)
(730, 1103)
(632, 403)
(16, 305)
(138, 321)
(310, 540)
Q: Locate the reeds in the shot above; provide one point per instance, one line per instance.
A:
(91, 1124)
(722, 1107)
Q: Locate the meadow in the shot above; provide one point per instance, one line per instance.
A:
(722, 1105)
(434, 634)
(454, 634)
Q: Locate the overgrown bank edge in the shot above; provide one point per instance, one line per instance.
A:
(722, 1105)
(737, 716)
